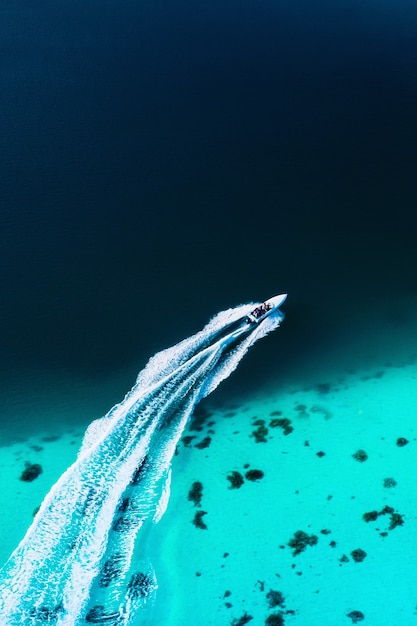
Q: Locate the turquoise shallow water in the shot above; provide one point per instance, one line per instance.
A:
(329, 448)
(315, 482)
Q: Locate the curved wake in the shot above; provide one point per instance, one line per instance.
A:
(75, 564)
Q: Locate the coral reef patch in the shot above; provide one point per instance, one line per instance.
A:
(301, 540)
(31, 472)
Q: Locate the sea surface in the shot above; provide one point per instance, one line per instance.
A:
(163, 161)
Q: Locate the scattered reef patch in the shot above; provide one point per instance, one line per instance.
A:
(282, 422)
(31, 472)
(111, 570)
(275, 619)
(241, 621)
(199, 417)
(370, 516)
(124, 506)
(301, 540)
(358, 555)
(45, 614)
(323, 388)
(401, 442)
(301, 410)
(260, 433)
(196, 493)
(236, 480)
(395, 518)
(321, 410)
(356, 616)
(203, 444)
(139, 472)
(187, 440)
(97, 615)
(360, 455)
(275, 598)
(254, 474)
(389, 482)
(140, 585)
(124, 524)
(198, 520)
(50, 438)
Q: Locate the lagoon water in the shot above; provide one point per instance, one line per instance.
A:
(161, 162)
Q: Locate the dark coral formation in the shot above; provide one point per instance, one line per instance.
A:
(356, 616)
(187, 440)
(395, 518)
(401, 442)
(389, 482)
(138, 474)
(323, 388)
(371, 516)
(203, 444)
(89, 499)
(196, 493)
(236, 480)
(44, 614)
(31, 472)
(198, 418)
(275, 619)
(97, 615)
(358, 555)
(242, 620)
(275, 598)
(321, 410)
(140, 586)
(301, 410)
(254, 474)
(260, 433)
(360, 455)
(198, 520)
(111, 570)
(282, 422)
(125, 505)
(124, 524)
(50, 438)
(301, 540)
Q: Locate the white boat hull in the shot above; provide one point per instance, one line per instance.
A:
(266, 308)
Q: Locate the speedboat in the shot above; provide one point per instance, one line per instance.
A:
(266, 308)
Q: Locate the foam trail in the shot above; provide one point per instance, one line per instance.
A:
(75, 564)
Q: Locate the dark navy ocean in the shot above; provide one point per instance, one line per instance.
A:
(163, 161)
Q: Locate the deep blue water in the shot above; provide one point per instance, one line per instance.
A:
(164, 160)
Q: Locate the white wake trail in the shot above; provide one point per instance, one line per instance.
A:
(74, 565)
